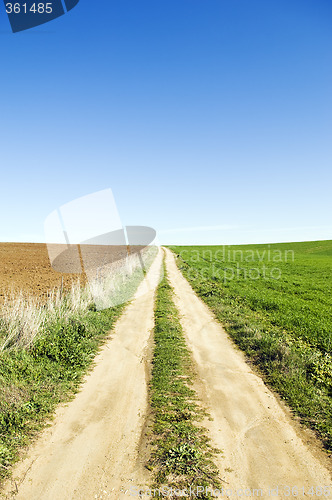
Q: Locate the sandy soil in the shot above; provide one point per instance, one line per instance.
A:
(92, 448)
(262, 446)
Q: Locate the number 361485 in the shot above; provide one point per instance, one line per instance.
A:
(35, 8)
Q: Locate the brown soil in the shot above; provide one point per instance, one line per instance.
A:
(26, 267)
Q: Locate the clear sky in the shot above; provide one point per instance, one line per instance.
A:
(211, 120)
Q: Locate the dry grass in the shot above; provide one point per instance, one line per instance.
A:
(22, 319)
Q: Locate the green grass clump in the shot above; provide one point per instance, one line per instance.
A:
(276, 303)
(34, 380)
(182, 457)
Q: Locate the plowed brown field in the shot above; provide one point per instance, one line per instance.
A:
(26, 267)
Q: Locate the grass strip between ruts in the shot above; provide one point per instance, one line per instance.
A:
(182, 458)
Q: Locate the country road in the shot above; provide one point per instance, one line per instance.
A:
(91, 449)
(95, 447)
(262, 447)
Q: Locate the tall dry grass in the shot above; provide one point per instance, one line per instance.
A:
(23, 319)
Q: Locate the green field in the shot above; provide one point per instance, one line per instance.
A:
(276, 303)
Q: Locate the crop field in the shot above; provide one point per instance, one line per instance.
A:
(276, 303)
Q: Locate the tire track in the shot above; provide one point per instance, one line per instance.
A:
(262, 448)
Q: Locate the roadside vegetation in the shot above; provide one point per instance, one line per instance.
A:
(275, 301)
(182, 457)
(46, 349)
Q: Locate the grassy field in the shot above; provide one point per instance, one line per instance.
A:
(276, 303)
(182, 456)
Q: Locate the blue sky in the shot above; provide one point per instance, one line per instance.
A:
(211, 121)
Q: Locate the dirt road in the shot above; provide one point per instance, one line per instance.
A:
(262, 447)
(91, 449)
